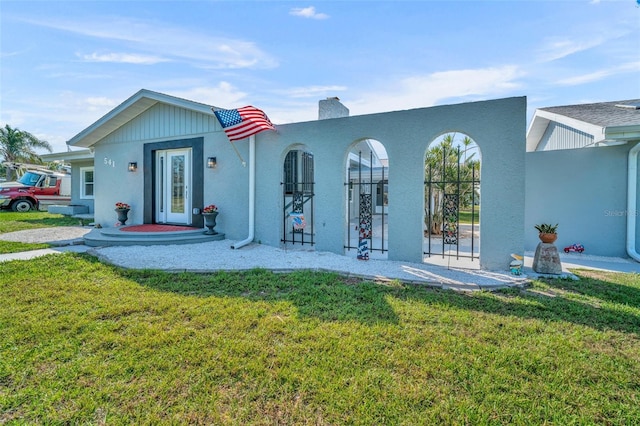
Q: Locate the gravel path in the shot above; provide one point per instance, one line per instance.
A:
(61, 235)
(218, 255)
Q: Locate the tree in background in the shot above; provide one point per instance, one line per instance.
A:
(441, 169)
(19, 146)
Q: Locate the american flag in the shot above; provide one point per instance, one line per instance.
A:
(243, 122)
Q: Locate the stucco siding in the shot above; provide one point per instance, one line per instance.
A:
(497, 126)
(76, 183)
(636, 209)
(584, 191)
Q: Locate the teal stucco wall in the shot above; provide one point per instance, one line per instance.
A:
(497, 126)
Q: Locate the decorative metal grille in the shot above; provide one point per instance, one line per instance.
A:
(451, 217)
(365, 217)
(365, 185)
(445, 190)
(297, 199)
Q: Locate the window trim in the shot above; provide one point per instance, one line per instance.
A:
(83, 195)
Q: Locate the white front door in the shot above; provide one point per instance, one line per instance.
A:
(173, 186)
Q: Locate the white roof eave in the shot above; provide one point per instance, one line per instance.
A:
(541, 120)
(127, 111)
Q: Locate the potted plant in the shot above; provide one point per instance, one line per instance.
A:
(122, 209)
(547, 232)
(210, 213)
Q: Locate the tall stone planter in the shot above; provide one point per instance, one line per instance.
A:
(210, 222)
(123, 215)
(547, 260)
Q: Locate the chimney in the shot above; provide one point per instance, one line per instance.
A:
(331, 108)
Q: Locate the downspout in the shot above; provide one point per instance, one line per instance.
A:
(252, 194)
(632, 195)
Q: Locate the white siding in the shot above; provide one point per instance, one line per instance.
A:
(560, 136)
(163, 121)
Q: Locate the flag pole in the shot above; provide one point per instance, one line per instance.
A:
(244, 164)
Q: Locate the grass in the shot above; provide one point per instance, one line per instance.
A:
(465, 216)
(84, 342)
(12, 221)
(17, 247)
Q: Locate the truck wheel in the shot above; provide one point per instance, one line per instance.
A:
(21, 206)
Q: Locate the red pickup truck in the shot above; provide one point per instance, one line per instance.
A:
(35, 188)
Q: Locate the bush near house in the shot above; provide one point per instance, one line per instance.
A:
(84, 342)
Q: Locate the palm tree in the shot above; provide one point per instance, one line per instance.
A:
(18, 146)
(444, 167)
(467, 141)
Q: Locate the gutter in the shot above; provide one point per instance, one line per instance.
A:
(252, 194)
(632, 195)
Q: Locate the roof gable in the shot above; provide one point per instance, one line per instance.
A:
(129, 110)
(605, 114)
(606, 122)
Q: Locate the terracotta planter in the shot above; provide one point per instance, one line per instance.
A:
(547, 238)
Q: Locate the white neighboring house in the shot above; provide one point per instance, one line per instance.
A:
(582, 173)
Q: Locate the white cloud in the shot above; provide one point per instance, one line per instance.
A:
(126, 58)
(427, 90)
(224, 95)
(308, 12)
(558, 49)
(313, 91)
(600, 74)
(171, 42)
(100, 102)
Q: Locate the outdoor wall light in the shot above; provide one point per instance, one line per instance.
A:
(212, 162)
(133, 166)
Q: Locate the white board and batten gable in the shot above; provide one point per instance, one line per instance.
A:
(584, 126)
(149, 115)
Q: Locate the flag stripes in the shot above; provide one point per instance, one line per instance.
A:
(243, 122)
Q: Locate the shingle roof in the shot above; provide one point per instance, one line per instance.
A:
(605, 114)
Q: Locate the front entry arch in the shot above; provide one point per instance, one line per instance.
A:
(367, 185)
(452, 198)
(298, 185)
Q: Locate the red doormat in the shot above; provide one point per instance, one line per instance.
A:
(156, 228)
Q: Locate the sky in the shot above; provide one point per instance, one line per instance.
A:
(65, 64)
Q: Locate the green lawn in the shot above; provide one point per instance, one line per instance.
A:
(465, 216)
(12, 221)
(17, 247)
(82, 342)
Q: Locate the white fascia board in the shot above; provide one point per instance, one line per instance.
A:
(536, 130)
(83, 138)
(82, 154)
(128, 110)
(598, 132)
(627, 133)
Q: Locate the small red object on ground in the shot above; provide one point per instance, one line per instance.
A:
(574, 247)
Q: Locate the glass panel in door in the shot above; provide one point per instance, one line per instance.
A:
(174, 199)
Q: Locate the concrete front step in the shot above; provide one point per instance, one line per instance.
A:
(102, 237)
